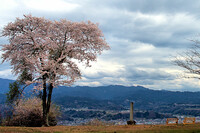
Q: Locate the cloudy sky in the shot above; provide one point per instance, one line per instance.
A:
(143, 35)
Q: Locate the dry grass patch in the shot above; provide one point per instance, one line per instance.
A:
(108, 129)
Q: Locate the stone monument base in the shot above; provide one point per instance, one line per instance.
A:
(131, 122)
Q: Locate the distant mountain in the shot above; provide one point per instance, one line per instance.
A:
(117, 97)
(100, 93)
(4, 85)
(162, 96)
(2, 98)
(82, 102)
(144, 98)
(138, 94)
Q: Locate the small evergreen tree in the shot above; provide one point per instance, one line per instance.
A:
(14, 92)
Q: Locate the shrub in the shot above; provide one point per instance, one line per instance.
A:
(28, 112)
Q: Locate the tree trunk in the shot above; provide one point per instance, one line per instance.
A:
(44, 103)
(49, 97)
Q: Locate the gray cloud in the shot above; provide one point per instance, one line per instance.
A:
(158, 26)
(143, 36)
(153, 6)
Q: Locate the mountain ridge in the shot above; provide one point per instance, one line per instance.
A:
(117, 97)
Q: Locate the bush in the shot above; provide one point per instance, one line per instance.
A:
(28, 112)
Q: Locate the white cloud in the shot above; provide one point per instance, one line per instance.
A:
(88, 83)
(178, 84)
(50, 5)
(7, 5)
(139, 47)
(155, 19)
(7, 74)
(102, 68)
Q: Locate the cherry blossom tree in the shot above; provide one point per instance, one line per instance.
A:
(49, 51)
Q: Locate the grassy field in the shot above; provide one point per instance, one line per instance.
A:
(106, 129)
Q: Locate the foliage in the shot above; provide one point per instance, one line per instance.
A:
(16, 88)
(48, 51)
(14, 92)
(28, 112)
